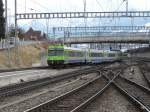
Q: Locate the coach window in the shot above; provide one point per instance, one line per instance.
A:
(111, 55)
(71, 54)
(79, 54)
(75, 54)
(93, 54)
(101, 55)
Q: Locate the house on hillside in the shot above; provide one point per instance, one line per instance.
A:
(34, 35)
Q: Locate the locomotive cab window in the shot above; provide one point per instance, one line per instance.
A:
(55, 52)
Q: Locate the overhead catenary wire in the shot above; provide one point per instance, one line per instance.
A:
(39, 4)
(120, 5)
(100, 5)
(117, 9)
(25, 6)
(101, 9)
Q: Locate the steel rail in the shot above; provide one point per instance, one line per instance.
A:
(138, 85)
(26, 86)
(40, 107)
(146, 78)
(133, 98)
(143, 70)
(90, 100)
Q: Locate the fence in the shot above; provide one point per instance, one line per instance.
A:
(12, 42)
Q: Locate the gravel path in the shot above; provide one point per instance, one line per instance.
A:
(145, 68)
(137, 76)
(136, 91)
(6, 100)
(9, 78)
(111, 101)
(147, 75)
(36, 99)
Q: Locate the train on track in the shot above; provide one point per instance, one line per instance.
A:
(62, 55)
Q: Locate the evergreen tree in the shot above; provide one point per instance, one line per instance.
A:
(2, 20)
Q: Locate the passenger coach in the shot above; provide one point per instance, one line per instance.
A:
(62, 55)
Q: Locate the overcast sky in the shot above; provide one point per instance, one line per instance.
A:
(75, 5)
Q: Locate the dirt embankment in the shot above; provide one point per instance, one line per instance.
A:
(140, 50)
(22, 56)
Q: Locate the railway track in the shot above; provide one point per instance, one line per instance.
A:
(139, 94)
(145, 70)
(76, 100)
(27, 86)
(106, 102)
(71, 101)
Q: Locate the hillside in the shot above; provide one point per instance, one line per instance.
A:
(27, 56)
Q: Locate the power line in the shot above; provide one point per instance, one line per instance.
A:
(110, 21)
(127, 5)
(101, 8)
(35, 2)
(99, 5)
(25, 5)
(120, 5)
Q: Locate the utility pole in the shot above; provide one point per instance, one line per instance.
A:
(84, 5)
(6, 33)
(47, 27)
(25, 6)
(126, 5)
(84, 13)
(16, 27)
(16, 36)
(85, 19)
